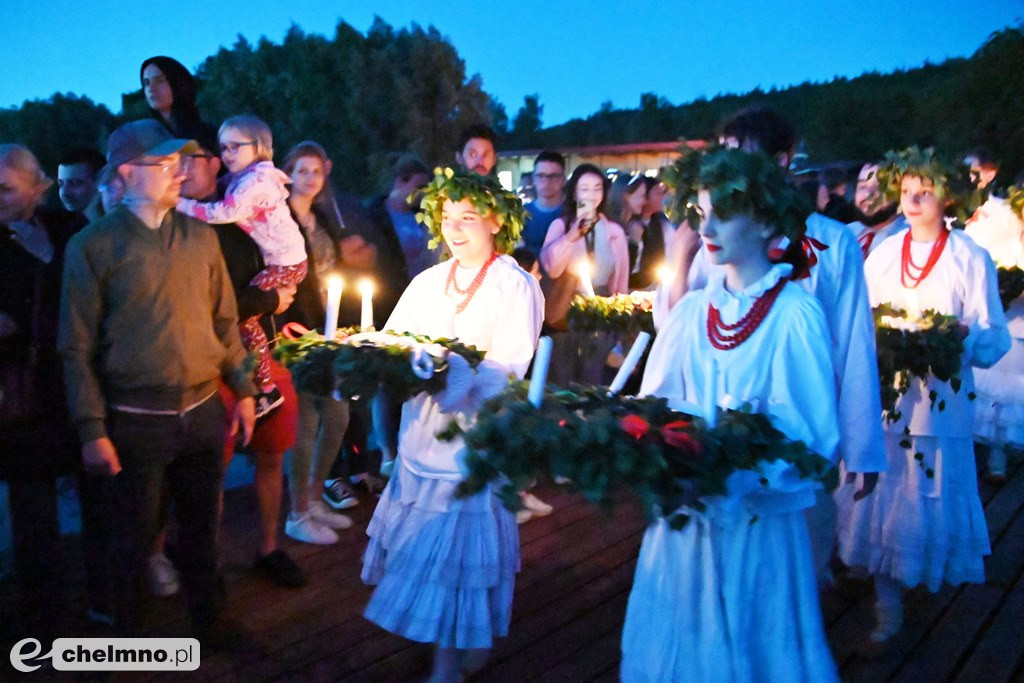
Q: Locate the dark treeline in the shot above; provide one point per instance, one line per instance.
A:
(363, 97)
(955, 105)
(367, 97)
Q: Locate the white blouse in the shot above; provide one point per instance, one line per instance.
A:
(503, 319)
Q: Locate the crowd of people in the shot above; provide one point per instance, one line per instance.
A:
(136, 328)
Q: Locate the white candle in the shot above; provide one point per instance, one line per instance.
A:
(711, 394)
(665, 274)
(628, 365)
(583, 272)
(913, 303)
(334, 287)
(541, 362)
(366, 319)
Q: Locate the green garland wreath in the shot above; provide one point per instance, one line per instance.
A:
(608, 444)
(740, 183)
(1015, 199)
(934, 349)
(488, 197)
(357, 369)
(952, 182)
(625, 313)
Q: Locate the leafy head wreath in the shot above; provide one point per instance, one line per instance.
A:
(487, 196)
(740, 183)
(951, 182)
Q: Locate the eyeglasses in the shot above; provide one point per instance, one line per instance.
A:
(165, 166)
(233, 147)
(199, 155)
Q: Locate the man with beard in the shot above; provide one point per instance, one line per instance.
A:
(877, 218)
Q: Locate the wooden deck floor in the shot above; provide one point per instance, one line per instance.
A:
(569, 607)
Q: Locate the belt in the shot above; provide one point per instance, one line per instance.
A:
(147, 411)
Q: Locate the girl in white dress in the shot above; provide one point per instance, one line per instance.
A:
(445, 567)
(920, 528)
(999, 410)
(733, 596)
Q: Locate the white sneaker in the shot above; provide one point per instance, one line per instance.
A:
(523, 516)
(163, 577)
(535, 505)
(305, 529)
(323, 515)
(890, 621)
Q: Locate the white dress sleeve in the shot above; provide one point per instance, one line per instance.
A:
(988, 339)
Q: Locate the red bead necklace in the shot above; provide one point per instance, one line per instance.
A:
(473, 286)
(909, 280)
(718, 332)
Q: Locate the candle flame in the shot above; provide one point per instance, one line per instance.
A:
(666, 274)
(366, 286)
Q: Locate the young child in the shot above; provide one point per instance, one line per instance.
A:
(445, 567)
(919, 528)
(255, 200)
(732, 596)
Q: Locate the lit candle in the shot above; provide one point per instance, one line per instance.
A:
(632, 359)
(711, 394)
(366, 319)
(334, 287)
(583, 272)
(541, 362)
(913, 303)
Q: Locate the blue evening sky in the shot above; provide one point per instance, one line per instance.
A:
(574, 54)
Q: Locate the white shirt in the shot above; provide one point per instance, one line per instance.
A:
(837, 282)
(784, 370)
(503, 319)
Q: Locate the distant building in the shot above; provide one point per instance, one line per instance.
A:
(634, 157)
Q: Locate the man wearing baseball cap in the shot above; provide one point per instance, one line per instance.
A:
(148, 325)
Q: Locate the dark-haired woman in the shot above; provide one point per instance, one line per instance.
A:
(170, 92)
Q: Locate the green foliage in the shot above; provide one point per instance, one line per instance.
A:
(623, 313)
(364, 98)
(952, 183)
(1015, 198)
(610, 444)
(356, 368)
(752, 184)
(53, 127)
(933, 349)
(681, 177)
(954, 106)
(488, 197)
(527, 119)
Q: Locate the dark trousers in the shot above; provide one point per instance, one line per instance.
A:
(185, 451)
(34, 523)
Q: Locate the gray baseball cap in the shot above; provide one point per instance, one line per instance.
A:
(144, 138)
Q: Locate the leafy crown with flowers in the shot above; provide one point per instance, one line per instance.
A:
(487, 196)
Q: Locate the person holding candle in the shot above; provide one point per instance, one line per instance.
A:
(322, 422)
(925, 524)
(445, 567)
(732, 595)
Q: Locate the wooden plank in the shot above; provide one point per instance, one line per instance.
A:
(1000, 649)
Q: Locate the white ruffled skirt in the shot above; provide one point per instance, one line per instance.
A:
(999, 407)
(915, 528)
(444, 567)
(726, 600)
